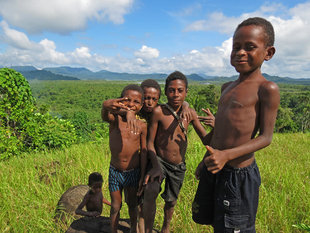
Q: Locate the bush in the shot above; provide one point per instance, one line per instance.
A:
(21, 129)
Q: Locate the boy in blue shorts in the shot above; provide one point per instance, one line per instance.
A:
(128, 152)
(227, 194)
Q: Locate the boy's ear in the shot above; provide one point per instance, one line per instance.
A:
(271, 50)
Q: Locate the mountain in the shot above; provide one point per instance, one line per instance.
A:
(30, 72)
(76, 73)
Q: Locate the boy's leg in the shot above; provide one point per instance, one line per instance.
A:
(151, 192)
(116, 202)
(140, 218)
(132, 202)
(168, 212)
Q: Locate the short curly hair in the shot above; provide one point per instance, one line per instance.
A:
(265, 24)
(174, 76)
(133, 87)
(151, 83)
(94, 177)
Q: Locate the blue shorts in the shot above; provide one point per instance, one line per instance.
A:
(228, 200)
(118, 180)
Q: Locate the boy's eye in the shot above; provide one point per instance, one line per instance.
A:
(249, 47)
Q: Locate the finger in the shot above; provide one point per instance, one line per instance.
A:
(146, 179)
(210, 149)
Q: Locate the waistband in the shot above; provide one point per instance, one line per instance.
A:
(182, 164)
(124, 171)
(240, 169)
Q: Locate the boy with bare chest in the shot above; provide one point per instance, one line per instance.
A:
(227, 195)
(167, 143)
(128, 152)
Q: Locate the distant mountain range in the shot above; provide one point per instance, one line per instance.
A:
(70, 73)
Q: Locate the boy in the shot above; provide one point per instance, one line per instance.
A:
(227, 195)
(167, 145)
(93, 199)
(128, 152)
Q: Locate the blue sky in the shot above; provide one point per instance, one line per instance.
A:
(138, 36)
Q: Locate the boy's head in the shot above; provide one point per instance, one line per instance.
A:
(252, 45)
(135, 97)
(176, 88)
(95, 181)
(261, 22)
(152, 94)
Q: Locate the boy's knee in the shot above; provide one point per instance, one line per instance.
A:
(115, 207)
(151, 191)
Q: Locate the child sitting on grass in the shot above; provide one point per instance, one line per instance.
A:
(93, 199)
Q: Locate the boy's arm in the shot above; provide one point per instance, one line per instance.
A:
(186, 112)
(269, 98)
(113, 106)
(152, 130)
(79, 210)
(200, 130)
(105, 201)
(143, 155)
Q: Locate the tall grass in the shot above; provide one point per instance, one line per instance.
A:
(30, 186)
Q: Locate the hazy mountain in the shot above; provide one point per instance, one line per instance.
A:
(75, 73)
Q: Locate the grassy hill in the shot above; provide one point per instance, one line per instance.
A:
(31, 185)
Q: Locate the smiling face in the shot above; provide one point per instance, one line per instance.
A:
(249, 49)
(134, 100)
(176, 92)
(151, 97)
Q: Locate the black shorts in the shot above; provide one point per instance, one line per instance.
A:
(174, 176)
(228, 200)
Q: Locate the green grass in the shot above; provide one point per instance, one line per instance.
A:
(30, 186)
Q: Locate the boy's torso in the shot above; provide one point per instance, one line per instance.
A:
(237, 118)
(95, 202)
(124, 145)
(170, 141)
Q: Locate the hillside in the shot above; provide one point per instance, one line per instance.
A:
(76, 73)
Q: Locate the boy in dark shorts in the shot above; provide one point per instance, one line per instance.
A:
(128, 152)
(93, 199)
(227, 194)
(167, 143)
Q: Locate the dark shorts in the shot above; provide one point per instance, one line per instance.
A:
(118, 180)
(174, 176)
(228, 200)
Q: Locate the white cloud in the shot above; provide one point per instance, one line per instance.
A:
(147, 52)
(62, 16)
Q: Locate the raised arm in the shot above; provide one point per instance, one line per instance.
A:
(269, 99)
(113, 106)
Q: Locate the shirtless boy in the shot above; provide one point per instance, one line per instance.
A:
(227, 195)
(167, 145)
(128, 152)
(93, 199)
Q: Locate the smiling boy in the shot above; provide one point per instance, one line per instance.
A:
(227, 195)
(128, 153)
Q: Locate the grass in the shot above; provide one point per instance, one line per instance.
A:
(31, 185)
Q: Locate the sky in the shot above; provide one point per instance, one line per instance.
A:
(137, 36)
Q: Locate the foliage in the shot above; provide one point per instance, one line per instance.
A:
(302, 227)
(21, 128)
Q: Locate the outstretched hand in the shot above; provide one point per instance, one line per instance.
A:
(216, 160)
(152, 175)
(209, 119)
(116, 104)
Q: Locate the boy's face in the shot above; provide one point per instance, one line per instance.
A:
(134, 100)
(249, 49)
(176, 92)
(151, 97)
(96, 187)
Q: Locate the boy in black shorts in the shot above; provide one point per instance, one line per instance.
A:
(227, 195)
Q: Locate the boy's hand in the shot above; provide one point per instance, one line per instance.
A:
(215, 161)
(209, 119)
(132, 122)
(116, 104)
(198, 170)
(152, 175)
(186, 113)
(93, 214)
